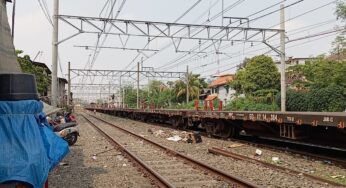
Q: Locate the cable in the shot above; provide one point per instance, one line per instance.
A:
(177, 59)
(307, 12)
(211, 19)
(45, 12)
(298, 30)
(275, 11)
(303, 38)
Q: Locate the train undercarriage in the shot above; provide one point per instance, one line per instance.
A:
(228, 128)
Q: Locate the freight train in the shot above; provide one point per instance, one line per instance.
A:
(320, 128)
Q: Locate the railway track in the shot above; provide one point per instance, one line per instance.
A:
(219, 151)
(326, 155)
(164, 167)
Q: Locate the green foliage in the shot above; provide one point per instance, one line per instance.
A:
(42, 80)
(327, 99)
(297, 101)
(195, 84)
(341, 11)
(259, 80)
(249, 104)
(190, 105)
(321, 86)
(160, 95)
(339, 43)
(320, 73)
(260, 73)
(130, 97)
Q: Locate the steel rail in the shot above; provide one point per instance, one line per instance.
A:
(294, 151)
(153, 175)
(219, 151)
(233, 180)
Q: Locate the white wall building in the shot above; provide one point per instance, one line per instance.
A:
(221, 87)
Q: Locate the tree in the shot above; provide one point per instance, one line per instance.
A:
(42, 80)
(160, 94)
(323, 84)
(260, 73)
(341, 10)
(339, 43)
(195, 84)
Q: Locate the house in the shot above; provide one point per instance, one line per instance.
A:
(62, 82)
(46, 72)
(295, 61)
(220, 86)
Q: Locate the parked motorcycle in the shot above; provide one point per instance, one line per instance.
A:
(68, 131)
(66, 127)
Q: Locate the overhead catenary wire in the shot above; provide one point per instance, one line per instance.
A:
(253, 14)
(299, 44)
(209, 20)
(295, 17)
(297, 31)
(176, 20)
(323, 34)
(45, 11)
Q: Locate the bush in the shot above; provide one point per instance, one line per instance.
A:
(247, 104)
(327, 99)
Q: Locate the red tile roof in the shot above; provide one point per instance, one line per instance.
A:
(222, 80)
(211, 97)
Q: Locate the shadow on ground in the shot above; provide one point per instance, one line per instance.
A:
(74, 174)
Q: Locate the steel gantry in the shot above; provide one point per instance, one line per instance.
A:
(152, 30)
(87, 89)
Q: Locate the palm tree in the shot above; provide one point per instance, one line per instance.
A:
(195, 84)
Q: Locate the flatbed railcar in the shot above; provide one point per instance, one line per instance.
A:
(323, 128)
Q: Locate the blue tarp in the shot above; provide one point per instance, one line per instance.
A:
(28, 147)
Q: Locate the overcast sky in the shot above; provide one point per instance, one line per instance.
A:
(33, 33)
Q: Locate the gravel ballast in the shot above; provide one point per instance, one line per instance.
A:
(258, 174)
(82, 168)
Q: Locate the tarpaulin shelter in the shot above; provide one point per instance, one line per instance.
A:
(29, 149)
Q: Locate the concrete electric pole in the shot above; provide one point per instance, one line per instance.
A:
(55, 39)
(187, 85)
(283, 61)
(69, 85)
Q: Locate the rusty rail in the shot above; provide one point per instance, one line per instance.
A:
(336, 161)
(219, 151)
(154, 176)
(233, 180)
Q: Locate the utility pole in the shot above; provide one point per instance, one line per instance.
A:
(283, 61)
(222, 7)
(138, 84)
(120, 92)
(13, 18)
(187, 84)
(123, 98)
(55, 39)
(69, 84)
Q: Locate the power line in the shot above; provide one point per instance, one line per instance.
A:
(45, 12)
(179, 58)
(298, 30)
(295, 17)
(270, 13)
(170, 44)
(211, 19)
(328, 33)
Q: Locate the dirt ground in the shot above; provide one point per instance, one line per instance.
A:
(93, 162)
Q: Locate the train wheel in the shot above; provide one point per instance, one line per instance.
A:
(175, 121)
(223, 130)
